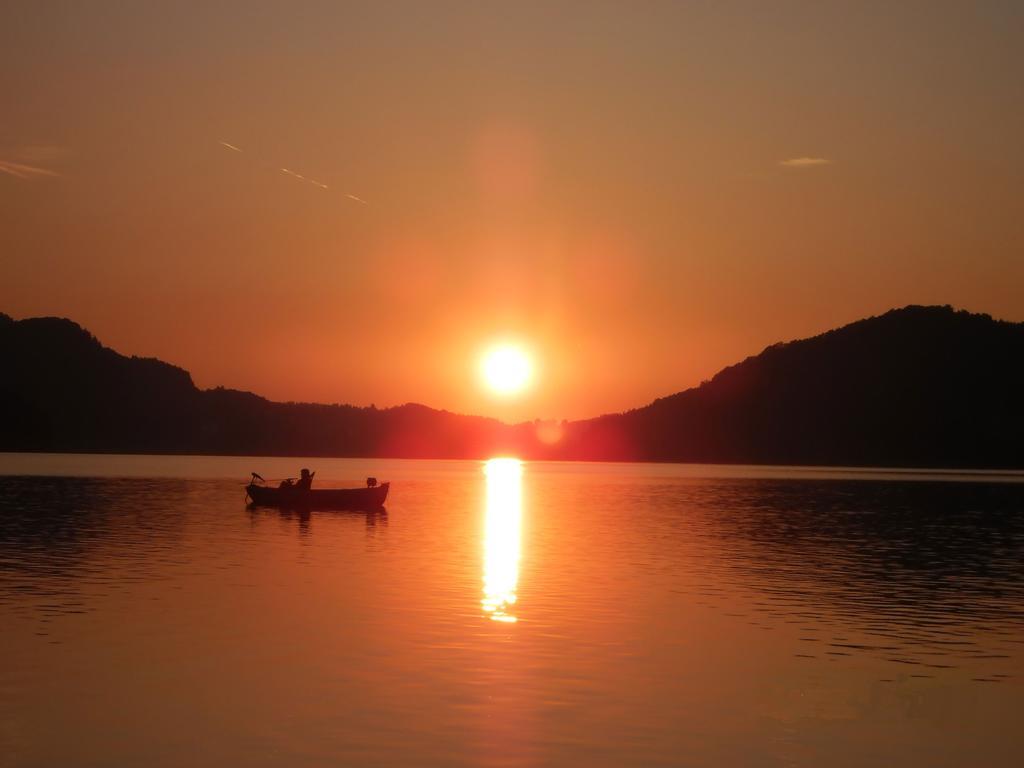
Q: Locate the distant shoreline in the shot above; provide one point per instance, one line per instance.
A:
(719, 470)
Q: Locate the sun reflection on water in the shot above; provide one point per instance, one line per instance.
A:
(502, 537)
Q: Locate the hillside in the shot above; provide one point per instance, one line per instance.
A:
(65, 391)
(919, 386)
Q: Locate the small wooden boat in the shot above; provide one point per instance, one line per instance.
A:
(368, 498)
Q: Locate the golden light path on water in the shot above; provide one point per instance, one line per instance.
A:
(502, 526)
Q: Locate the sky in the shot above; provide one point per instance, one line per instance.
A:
(350, 203)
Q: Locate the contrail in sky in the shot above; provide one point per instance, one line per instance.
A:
(296, 175)
(299, 176)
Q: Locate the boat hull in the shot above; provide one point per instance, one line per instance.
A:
(319, 498)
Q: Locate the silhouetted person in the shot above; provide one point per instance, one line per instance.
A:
(305, 481)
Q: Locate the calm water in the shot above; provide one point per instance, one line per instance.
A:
(543, 614)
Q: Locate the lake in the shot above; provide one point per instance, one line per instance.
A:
(534, 614)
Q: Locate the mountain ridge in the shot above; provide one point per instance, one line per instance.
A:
(915, 386)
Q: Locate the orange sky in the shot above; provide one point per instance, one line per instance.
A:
(640, 195)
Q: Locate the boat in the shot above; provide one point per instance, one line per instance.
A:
(369, 498)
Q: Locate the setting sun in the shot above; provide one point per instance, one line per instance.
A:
(506, 369)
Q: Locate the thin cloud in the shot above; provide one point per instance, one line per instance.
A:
(357, 199)
(804, 162)
(23, 171)
(30, 161)
(229, 146)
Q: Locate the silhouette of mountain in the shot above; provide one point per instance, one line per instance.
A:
(918, 386)
(64, 391)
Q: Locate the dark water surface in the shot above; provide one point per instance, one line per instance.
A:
(542, 614)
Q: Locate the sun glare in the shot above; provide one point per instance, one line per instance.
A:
(506, 369)
(504, 514)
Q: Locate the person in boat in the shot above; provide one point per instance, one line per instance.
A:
(305, 481)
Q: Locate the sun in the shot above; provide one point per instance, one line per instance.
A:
(506, 369)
